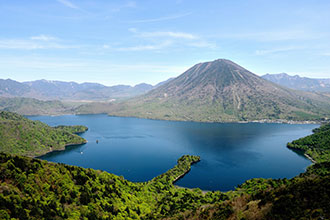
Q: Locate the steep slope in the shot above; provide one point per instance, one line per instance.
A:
(22, 136)
(299, 83)
(224, 91)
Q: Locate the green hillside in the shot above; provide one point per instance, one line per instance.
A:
(35, 189)
(30, 106)
(22, 136)
(222, 91)
(316, 145)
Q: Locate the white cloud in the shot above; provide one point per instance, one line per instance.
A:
(101, 71)
(146, 47)
(169, 34)
(130, 4)
(179, 38)
(276, 50)
(274, 35)
(31, 44)
(203, 44)
(68, 4)
(43, 38)
(166, 18)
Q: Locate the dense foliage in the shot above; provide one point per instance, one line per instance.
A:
(304, 197)
(316, 145)
(74, 129)
(35, 189)
(22, 136)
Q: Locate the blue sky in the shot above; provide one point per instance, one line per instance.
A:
(129, 42)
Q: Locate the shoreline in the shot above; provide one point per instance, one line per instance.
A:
(59, 150)
(274, 121)
(310, 158)
(304, 153)
(261, 121)
(187, 171)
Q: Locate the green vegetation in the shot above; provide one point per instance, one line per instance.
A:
(31, 106)
(316, 145)
(22, 136)
(303, 197)
(74, 129)
(35, 189)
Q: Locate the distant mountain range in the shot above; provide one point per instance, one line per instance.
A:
(299, 83)
(223, 91)
(58, 90)
(217, 91)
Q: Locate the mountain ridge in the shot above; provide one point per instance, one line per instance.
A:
(299, 83)
(60, 90)
(223, 91)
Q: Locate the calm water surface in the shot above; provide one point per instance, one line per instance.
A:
(140, 149)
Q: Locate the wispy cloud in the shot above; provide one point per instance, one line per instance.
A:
(33, 44)
(274, 35)
(180, 39)
(166, 18)
(159, 46)
(203, 44)
(276, 50)
(169, 34)
(130, 4)
(69, 4)
(43, 38)
(94, 70)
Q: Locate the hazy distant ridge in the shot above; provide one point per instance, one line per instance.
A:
(52, 90)
(299, 83)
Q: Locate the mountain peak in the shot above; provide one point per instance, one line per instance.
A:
(214, 75)
(221, 90)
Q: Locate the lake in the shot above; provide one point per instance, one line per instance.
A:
(140, 149)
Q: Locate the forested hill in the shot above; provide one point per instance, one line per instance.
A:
(35, 189)
(22, 136)
(316, 145)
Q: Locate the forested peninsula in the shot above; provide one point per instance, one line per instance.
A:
(22, 136)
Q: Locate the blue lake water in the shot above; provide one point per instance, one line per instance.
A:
(140, 149)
